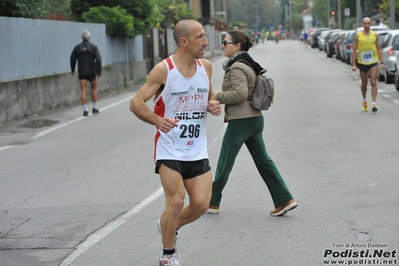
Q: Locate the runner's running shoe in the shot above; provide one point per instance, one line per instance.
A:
(169, 260)
(364, 107)
(374, 108)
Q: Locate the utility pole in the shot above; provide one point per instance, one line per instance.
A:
(329, 14)
(290, 8)
(358, 13)
(392, 14)
(256, 17)
(339, 15)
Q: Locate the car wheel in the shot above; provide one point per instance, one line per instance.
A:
(396, 79)
(388, 78)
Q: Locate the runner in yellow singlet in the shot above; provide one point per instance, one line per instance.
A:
(369, 52)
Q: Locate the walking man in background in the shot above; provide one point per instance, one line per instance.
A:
(369, 51)
(89, 69)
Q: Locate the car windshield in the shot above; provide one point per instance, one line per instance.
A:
(323, 34)
(381, 37)
(374, 28)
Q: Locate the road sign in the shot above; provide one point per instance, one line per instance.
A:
(347, 12)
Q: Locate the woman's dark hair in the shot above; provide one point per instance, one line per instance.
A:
(240, 36)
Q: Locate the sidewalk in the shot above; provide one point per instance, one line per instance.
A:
(22, 131)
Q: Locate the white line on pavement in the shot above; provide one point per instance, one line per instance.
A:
(109, 227)
(45, 132)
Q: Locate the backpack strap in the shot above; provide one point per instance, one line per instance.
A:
(263, 71)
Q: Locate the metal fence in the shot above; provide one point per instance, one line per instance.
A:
(33, 48)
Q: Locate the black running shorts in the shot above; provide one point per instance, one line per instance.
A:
(187, 169)
(365, 68)
(88, 77)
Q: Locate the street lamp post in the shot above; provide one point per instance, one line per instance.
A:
(392, 14)
(290, 8)
(339, 15)
(256, 17)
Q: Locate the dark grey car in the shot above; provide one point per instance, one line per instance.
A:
(330, 42)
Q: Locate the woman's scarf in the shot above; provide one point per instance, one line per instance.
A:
(242, 56)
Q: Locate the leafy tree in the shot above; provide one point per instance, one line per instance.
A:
(370, 6)
(385, 6)
(39, 9)
(245, 11)
(169, 12)
(139, 9)
(25, 8)
(116, 19)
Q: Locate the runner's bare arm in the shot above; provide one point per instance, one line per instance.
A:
(354, 48)
(156, 78)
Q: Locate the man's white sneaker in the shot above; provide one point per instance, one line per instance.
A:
(169, 260)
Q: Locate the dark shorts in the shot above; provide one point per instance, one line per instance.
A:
(88, 77)
(365, 68)
(189, 169)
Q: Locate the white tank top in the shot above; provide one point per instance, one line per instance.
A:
(185, 99)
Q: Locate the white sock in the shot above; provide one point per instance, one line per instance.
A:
(85, 108)
(373, 103)
(364, 100)
(94, 105)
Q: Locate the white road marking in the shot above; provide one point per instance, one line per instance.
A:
(5, 147)
(109, 227)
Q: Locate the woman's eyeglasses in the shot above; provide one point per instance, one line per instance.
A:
(226, 42)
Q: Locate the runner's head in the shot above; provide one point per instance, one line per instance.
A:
(366, 23)
(190, 36)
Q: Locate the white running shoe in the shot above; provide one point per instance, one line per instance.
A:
(169, 260)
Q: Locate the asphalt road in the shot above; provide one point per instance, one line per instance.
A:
(82, 191)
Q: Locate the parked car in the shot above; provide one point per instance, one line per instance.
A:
(326, 39)
(330, 42)
(338, 44)
(374, 28)
(322, 38)
(346, 47)
(381, 35)
(396, 74)
(389, 54)
(314, 39)
(310, 33)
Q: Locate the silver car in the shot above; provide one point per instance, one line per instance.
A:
(396, 76)
(389, 56)
(322, 37)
